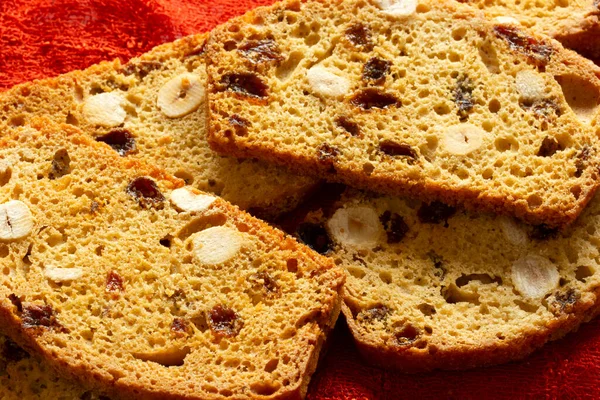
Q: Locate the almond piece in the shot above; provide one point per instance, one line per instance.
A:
(217, 245)
(534, 276)
(397, 8)
(356, 226)
(188, 199)
(16, 220)
(325, 83)
(60, 275)
(504, 20)
(531, 86)
(462, 139)
(512, 231)
(181, 95)
(105, 109)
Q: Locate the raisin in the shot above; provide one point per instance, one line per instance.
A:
(61, 164)
(34, 316)
(245, 83)
(140, 68)
(259, 51)
(546, 109)
(114, 282)
(121, 141)
(376, 313)
(543, 232)
(224, 321)
(406, 335)
(348, 125)
(435, 212)
(13, 353)
(314, 236)
(549, 147)
(16, 301)
(537, 52)
(145, 191)
(581, 160)
(374, 98)
(240, 125)
(565, 302)
(268, 283)
(463, 97)
(394, 226)
(179, 326)
(360, 36)
(326, 154)
(375, 70)
(395, 149)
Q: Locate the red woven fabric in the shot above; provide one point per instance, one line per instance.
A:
(42, 38)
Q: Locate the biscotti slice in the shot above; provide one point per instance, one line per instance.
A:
(130, 282)
(574, 23)
(153, 108)
(421, 98)
(24, 377)
(433, 287)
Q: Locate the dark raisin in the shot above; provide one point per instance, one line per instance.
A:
(463, 97)
(581, 161)
(314, 236)
(259, 51)
(376, 313)
(240, 125)
(435, 212)
(375, 70)
(114, 282)
(179, 327)
(245, 83)
(374, 98)
(360, 36)
(141, 68)
(61, 164)
(121, 141)
(394, 226)
(348, 125)
(13, 353)
(34, 316)
(145, 191)
(406, 335)
(543, 232)
(537, 52)
(327, 153)
(224, 321)
(395, 149)
(16, 301)
(549, 147)
(546, 109)
(269, 283)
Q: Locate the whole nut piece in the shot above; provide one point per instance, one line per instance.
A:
(217, 245)
(505, 20)
(105, 109)
(16, 220)
(531, 86)
(356, 226)
(397, 8)
(188, 199)
(534, 276)
(181, 95)
(462, 139)
(325, 83)
(512, 231)
(60, 275)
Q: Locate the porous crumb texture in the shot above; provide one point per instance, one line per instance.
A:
(427, 99)
(153, 108)
(572, 22)
(124, 278)
(432, 287)
(24, 377)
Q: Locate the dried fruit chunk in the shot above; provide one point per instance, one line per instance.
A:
(34, 316)
(531, 87)
(121, 141)
(397, 8)
(534, 276)
(462, 139)
(395, 149)
(181, 95)
(435, 212)
(245, 83)
(375, 70)
(240, 125)
(16, 221)
(375, 313)
(105, 109)
(224, 321)
(394, 226)
(374, 98)
(356, 226)
(114, 282)
(259, 51)
(360, 36)
(60, 275)
(327, 154)
(268, 283)
(145, 191)
(180, 327)
(61, 164)
(315, 236)
(537, 52)
(463, 97)
(348, 125)
(13, 353)
(581, 161)
(324, 82)
(217, 245)
(191, 200)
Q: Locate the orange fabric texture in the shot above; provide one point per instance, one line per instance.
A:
(43, 38)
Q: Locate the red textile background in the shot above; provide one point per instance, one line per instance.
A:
(42, 38)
